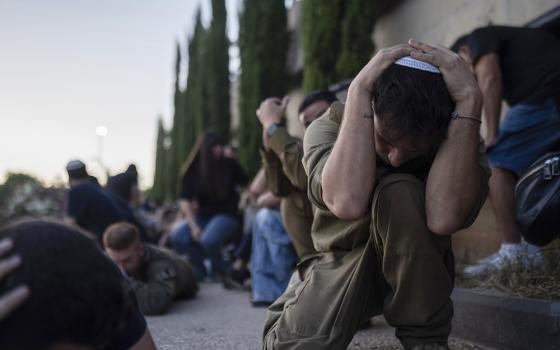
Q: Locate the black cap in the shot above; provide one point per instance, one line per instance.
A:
(315, 96)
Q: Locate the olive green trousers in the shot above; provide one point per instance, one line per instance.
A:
(297, 217)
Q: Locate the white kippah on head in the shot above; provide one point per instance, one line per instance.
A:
(416, 64)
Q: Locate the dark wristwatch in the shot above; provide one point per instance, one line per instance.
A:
(272, 128)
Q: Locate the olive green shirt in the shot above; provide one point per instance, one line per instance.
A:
(162, 277)
(282, 163)
(286, 178)
(328, 231)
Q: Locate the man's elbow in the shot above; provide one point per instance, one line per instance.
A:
(156, 307)
(347, 209)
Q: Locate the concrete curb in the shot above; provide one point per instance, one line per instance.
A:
(505, 322)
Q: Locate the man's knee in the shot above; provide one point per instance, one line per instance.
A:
(180, 236)
(399, 214)
(398, 191)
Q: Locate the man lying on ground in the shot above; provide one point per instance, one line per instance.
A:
(77, 299)
(158, 275)
(393, 173)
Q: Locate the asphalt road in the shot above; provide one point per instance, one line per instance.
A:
(219, 319)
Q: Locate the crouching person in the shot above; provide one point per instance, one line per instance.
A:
(393, 173)
(158, 275)
(76, 298)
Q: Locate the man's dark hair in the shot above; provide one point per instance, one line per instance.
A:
(462, 41)
(315, 96)
(412, 103)
(78, 295)
(120, 236)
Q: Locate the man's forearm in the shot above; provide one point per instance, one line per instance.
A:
(453, 185)
(491, 88)
(187, 211)
(349, 173)
(489, 75)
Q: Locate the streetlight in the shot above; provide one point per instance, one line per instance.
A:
(101, 131)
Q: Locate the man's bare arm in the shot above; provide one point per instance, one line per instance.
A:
(453, 184)
(488, 73)
(349, 173)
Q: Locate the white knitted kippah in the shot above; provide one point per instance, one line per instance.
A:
(416, 64)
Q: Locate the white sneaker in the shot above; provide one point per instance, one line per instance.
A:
(529, 256)
(533, 257)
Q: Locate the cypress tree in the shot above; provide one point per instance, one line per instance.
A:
(194, 105)
(263, 44)
(356, 45)
(158, 187)
(321, 22)
(196, 89)
(217, 60)
(176, 148)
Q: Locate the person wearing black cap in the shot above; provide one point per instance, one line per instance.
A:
(281, 154)
(88, 204)
(391, 175)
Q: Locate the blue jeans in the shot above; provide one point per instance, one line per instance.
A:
(272, 258)
(215, 233)
(528, 131)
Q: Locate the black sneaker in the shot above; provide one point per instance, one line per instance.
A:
(260, 303)
(236, 279)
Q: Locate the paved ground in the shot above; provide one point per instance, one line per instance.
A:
(224, 320)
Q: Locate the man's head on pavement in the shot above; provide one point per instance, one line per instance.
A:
(314, 105)
(123, 245)
(461, 47)
(78, 297)
(412, 109)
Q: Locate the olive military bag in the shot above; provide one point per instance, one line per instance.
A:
(538, 200)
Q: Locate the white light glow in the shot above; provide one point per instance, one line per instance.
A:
(101, 130)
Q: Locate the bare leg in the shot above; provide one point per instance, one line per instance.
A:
(502, 198)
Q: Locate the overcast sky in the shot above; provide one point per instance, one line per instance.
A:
(69, 66)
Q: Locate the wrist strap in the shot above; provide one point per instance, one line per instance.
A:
(272, 128)
(456, 115)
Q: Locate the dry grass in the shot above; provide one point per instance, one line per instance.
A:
(515, 280)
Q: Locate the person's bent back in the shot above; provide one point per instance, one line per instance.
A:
(79, 298)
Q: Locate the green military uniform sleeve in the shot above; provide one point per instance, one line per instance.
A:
(187, 284)
(276, 180)
(155, 294)
(318, 142)
(290, 152)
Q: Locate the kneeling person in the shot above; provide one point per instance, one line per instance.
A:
(158, 276)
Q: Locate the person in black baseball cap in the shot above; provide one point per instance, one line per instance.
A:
(88, 204)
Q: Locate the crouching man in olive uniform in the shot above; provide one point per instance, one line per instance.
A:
(392, 174)
(158, 276)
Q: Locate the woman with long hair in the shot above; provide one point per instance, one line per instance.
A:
(208, 203)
